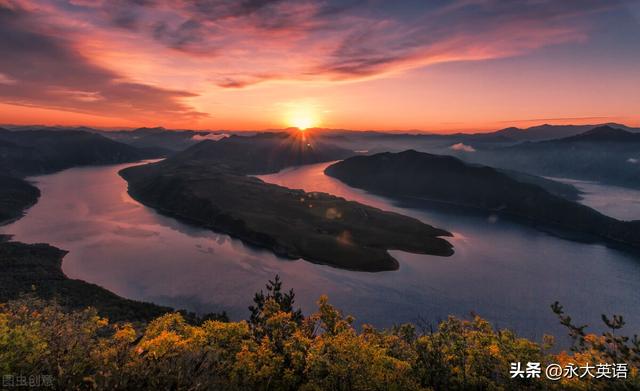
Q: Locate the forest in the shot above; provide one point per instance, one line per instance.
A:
(280, 348)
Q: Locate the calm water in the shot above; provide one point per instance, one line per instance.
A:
(505, 272)
(618, 202)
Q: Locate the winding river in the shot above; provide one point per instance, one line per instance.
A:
(506, 272)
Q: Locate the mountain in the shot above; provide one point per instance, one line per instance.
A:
(154, 130)
(604, 134)
(34, 152)
(15, 196)
(542, 132)
(263, 153)
(457, 143)
(416, 176)
(554, 187)
(209, 185)
(35, 269)
(551, 132)
(159, 139)
(605, 154)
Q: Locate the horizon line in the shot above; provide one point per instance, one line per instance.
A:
(541, 122)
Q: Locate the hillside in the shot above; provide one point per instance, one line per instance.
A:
(36, 269)
(263, 153)
(603, 154)
(15, 196)
(445, 179)
(208, 185)
(159, 139)
(34, 152)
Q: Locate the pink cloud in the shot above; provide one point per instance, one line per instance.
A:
(45, 70)
(210, 136)
(460, 147)
(325, 40)
(58, 48)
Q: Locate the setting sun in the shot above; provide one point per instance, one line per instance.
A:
(302, 118)
(302, 123)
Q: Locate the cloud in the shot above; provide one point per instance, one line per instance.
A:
(337, 40)
(632, 160)
(4, 79)
(460, 147)
(243, 81)
(209, 136)
(460, 31)
(42, 68)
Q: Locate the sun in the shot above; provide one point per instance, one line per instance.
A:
(302, 118)
(302, 123)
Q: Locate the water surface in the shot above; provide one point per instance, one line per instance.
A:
(505, 272)
(619, 202)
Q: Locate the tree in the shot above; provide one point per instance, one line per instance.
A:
(284, 300)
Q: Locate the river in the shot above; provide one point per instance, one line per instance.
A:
(505, 272)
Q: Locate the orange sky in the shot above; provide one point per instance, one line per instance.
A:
(445, 66)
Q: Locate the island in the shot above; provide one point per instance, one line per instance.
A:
(413, 176)
(210, 185)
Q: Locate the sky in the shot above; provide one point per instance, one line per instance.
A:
(443, 66)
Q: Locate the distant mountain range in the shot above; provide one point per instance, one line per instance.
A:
(157, 139)
(549, 132)
(264, 152)
(605, 154)
(373, 142)
(33, 152)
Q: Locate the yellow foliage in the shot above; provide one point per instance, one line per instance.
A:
(324, 351)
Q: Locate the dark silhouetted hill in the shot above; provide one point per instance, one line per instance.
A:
(445, 179)
(604, 154)
(15, 196)
(33, 152)
(262, 153)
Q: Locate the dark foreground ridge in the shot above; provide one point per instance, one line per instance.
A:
(16, 195)
(37, 152)
(36, 269)
(199, 185)
(412, 175)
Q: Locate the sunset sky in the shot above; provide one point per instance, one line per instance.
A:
(259, 64)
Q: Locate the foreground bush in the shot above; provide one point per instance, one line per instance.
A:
(280, 349)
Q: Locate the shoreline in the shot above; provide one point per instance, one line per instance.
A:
(36, 268)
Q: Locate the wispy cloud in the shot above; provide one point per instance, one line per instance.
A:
(40, 68)
(56, 53)
(259, 40)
